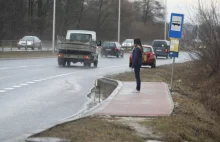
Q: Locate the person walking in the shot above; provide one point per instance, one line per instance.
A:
(137, 62)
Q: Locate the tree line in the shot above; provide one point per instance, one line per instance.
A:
(142, 18)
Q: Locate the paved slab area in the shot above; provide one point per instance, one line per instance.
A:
(153, 100)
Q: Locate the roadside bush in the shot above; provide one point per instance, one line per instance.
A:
(207, 49)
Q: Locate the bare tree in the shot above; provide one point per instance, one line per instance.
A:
(150, 10)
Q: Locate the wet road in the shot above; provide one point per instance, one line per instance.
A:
(36, 93)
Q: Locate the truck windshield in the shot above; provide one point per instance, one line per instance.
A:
(80, 37)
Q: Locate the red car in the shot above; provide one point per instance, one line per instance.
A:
(151, 58)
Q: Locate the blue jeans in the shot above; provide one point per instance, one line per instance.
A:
(138, 79)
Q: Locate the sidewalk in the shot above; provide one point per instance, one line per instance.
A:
(153, 100)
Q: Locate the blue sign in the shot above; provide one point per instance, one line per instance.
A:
(176, 25)
(174, 54)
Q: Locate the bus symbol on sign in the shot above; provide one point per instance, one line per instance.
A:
(176, 23)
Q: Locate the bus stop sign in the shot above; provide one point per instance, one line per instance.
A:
(176, 25)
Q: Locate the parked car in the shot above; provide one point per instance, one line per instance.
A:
(112, 49)
(161, 48)
(30, 42)
(128, 43)
(151, 58)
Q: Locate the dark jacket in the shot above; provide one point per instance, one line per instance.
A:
(137, 57)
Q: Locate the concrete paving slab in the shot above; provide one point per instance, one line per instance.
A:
(153, 100)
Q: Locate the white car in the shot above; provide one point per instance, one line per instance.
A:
(30, 42)
(128, 43)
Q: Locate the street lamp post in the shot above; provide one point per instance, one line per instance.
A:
(54, 20)
(119, 20)
(165, 22)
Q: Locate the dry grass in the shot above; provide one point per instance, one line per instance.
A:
(93, 130)
(196, 116)
(26, 54)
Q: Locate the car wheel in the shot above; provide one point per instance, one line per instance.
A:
(95, 63)
(130, 64)
(117, 55)
(19, 48)
(153, 65)
(32, 48)
(122, 55)
(40, 47)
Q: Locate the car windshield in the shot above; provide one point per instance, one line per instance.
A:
(27, 38)
(80, 37)
(159, 43)
(147, 49)
(129, 41)
(108, 44)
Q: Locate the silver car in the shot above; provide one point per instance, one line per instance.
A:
(128, 43)
(30, 42)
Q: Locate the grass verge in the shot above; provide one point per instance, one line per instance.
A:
(93, 129)
(195, 117)
(26, 54)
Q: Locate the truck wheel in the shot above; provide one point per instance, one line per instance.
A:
(95, 64)
(64, 63)
(59, 64)
(68, 63)
(87, 64)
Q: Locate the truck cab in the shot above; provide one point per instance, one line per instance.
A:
(78, 46)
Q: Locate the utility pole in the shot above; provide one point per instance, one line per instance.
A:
(119, 20)
(54, 20)
(165, 22)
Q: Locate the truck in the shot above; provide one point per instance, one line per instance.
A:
(78, 46)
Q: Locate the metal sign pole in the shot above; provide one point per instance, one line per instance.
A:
(171, 88)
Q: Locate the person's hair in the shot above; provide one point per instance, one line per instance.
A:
(137, 41)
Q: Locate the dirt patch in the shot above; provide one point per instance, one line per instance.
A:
(93, 130)
(26, 54)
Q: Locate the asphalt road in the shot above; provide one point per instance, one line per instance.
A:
(36, 93)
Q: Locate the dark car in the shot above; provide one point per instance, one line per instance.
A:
(112, 49)
(30, 42)
(161, 48)
(151, 59)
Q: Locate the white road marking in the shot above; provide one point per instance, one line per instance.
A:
(37, 80)
(7, 68)
(9, 88)
(16, 86)
(24, 84)
(30, 82)
(77, 87)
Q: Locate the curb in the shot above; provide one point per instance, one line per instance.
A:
(84, 113)
(170, 98)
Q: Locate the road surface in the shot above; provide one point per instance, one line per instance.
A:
(36, 93)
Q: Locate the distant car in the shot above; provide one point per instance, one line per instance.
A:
(112, 49)
(128, 43)
(161, 48)
(151, 58)
(30, 42)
